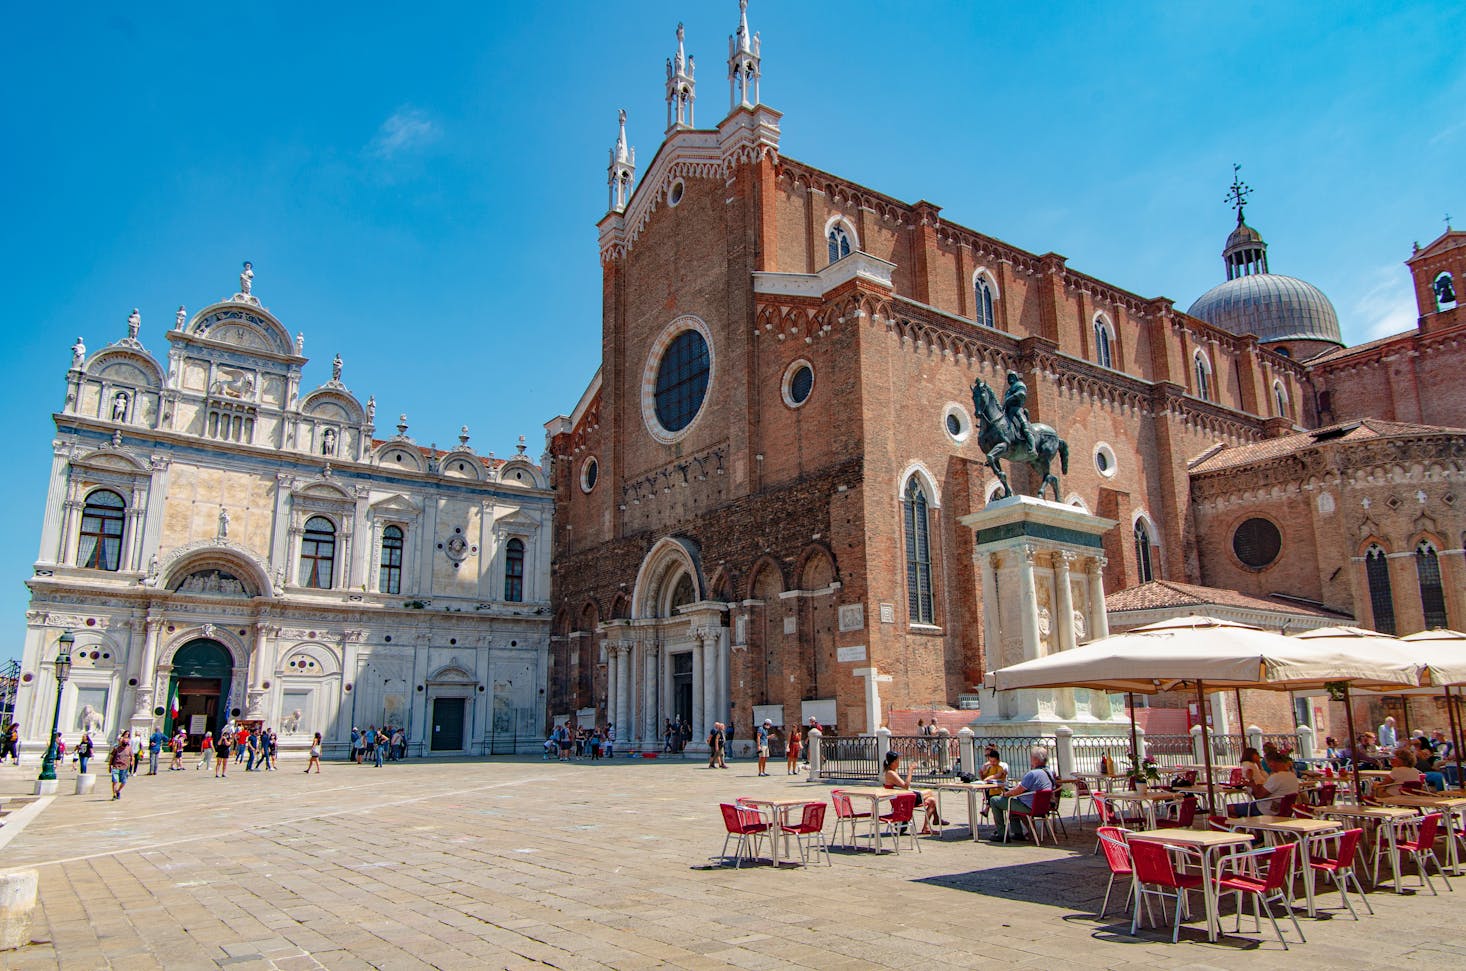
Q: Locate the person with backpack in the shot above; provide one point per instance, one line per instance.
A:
(118, 760)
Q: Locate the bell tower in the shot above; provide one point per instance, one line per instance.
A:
(743, 63)
(621, 173)
(681, 89)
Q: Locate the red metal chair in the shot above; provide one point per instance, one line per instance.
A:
(901, 820)
(1300, 811)
(1108, 815)
(845, 814)
(747, 825)
(1327, 793)
(1156, 876)
(1082, 791)
(1340, 866)
(1422, 847)
(1036, 817)
(1185, 815)
(1117, 856)
(1263, 887)
(1218, 823)
(1413, 788)
(1286, 804)
(810, 829)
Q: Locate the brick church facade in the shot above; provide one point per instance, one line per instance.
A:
(758, 494)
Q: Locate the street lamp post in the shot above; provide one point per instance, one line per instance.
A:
(63, 671)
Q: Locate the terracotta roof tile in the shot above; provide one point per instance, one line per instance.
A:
(1160, 594)
(1357, 430)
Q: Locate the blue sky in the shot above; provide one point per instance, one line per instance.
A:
(418, 185)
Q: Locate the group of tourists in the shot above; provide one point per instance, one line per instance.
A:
(375, 746)
(567, 743)
(1421, 758)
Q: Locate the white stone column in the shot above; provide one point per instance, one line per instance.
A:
(813, 742)
(611, 651)
(144, 707)
(664, 686)
(1099, 622)
(133, 532)
(699, 722)
(625, 730)
(651, 695)
(1064, 622)
(987, 565)
(69, 531)
(968, 747)
(711, 713)
(1028, 602)
(724, 694)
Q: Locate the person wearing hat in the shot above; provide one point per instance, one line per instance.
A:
(763, 746)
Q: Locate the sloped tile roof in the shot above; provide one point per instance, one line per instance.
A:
(1162, 594)
(1358, 430)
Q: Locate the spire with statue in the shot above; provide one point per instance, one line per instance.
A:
(621, 173)
(681, 89)
(744, 59)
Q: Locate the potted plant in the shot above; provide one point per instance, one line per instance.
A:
(1142, 775)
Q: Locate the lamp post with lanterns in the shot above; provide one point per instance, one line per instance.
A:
(63, 671)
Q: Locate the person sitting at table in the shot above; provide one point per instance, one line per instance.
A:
(1429, 764)
(1037, 779)
(1366, 751)
(993, 768)
(891, 779)
(1267, 798)
(1252, 771)
(1402, 770)
(1442, 747)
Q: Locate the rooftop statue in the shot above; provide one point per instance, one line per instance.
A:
(134, 322)
(1006, 433)
(246, 278)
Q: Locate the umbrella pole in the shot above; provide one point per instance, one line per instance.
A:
(1211, 796)
(1405, 716)
(1455, 721)
(1241, 723)
(1134, 744)
(1353, 745)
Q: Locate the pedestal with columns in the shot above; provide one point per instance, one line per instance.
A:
(1041, 567)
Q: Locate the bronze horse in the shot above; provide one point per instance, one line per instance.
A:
(999, 440)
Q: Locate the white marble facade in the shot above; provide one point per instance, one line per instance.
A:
(348, 578)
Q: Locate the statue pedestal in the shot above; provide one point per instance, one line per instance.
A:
(1041, 567)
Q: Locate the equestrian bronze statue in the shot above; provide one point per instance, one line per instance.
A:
(1006, 433)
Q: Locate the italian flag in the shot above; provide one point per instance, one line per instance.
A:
(173, 706)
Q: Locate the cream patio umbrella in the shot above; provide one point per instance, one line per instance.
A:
(1443, 653)
(1210, 655)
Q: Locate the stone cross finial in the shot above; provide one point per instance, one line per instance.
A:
(134, 322)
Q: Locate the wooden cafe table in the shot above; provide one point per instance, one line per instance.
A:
(1305, 830)
(1383, 818)
(1206, 842)
(875, 795)
(1147, 800)
(971, 789)
(777, 811)
(1450, 806)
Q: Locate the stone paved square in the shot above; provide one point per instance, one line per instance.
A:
(529, 864)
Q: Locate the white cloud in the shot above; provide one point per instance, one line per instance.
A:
(1388, 305)
(406, 129)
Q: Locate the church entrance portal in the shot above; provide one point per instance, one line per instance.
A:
(202, 671)
(682, 688)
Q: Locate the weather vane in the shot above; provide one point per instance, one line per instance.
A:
(1237, 196)
(1448, 222)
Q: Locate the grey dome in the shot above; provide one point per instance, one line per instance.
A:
(1274, 307)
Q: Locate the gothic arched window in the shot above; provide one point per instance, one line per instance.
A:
(1381, 597)
(1280, 399)
(839, 241)
(1203, 377)
(982, 293)
(318, 553)
(514, 570)
(1432, 594)
(1144, 568)
(100, 545)
(918, 554)
(391, 573)
(1103, 356)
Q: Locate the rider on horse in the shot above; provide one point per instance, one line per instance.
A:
(1014, 400)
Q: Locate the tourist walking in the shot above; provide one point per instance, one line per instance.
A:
(356, 745)
(118, 760)
(793, 753)
(206, 752)
(155, 748)
(241, 743)
(717, 743)
(84, 752)
(315, 759)
(379, 749)
(763, 746)
(221, 759)
(177, 743)
(252, 751)
(608, 747)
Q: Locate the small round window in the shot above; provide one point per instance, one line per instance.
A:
(674, 193)
(1104, 460)
(589, 472)
(682, 381)
(798, 383)
(956, 423)
(1257, 542)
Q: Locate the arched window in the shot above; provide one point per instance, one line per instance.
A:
(918, 555)
(982, 289)
(514, 571)
(1144, 568)
(1280, 399)
(1102, 353)
(318, 553)
(839, 241)
(1432, 595)
(391, 575)
(1381, 598)
(100, 546)
(1445, 291)
(1203, 377)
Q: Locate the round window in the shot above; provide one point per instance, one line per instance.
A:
(1104, 460)
(588, 474)
(954, 425)
(1257, 542)
(798, 383)
(674, 194)
(682, 381)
